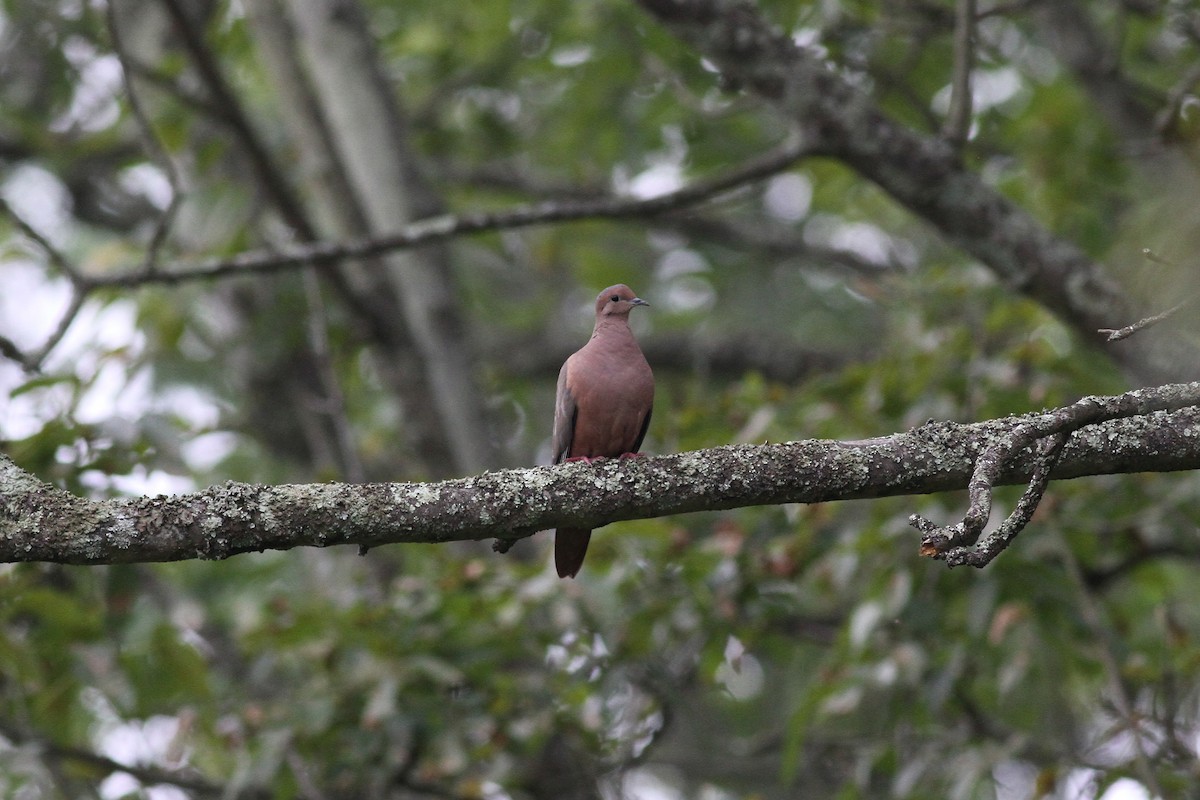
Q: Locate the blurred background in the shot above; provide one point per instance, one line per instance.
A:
(776, 652)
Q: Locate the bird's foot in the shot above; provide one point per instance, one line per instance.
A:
(584, 459)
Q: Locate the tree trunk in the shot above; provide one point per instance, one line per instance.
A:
(370, 138)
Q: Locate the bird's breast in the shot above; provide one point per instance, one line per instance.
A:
(614, 392)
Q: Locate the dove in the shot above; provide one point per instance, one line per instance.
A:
(603, 405)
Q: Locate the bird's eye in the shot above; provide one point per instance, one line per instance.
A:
(616, 298)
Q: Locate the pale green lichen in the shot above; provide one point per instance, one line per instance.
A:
(122, 533)
(413, 495)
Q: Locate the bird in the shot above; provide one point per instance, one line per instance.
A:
(603, 404)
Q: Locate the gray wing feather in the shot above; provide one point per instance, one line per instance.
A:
(565, 412)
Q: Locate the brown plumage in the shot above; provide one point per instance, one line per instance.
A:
(605, 396)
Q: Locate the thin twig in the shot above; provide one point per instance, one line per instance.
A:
(1098, 578)
(153, 143)
(334, 407)
(149, 776)
(172, 87)
(56, 256)
(80, 288)
(10, 350)
(79, 296)
(958, 117)
(1176, 98)
(1150, 255)
(1129, 330)
(270, 177)
(1090, 610)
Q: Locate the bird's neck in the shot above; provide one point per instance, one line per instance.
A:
(612, 326)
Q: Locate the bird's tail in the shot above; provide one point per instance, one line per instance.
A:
(570, 546)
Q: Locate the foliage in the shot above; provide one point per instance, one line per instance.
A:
(743, 654)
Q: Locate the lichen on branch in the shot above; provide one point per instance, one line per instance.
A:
(39, 522)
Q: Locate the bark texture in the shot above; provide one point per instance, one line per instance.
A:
(41, 523)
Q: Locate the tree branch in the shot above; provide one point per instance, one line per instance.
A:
(922, 172)
(759, 234)
(1104, 636)
(185, 779)
(954, 544)
(153, 144)
(449, 226)
(269, 176)
(778, 358)
(32, 361)
(1114, 335)
(935, 539)
(41, 523)
(1069, 30)
(957, 126)
(1099, 578)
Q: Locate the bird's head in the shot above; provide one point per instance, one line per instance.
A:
(616, 301)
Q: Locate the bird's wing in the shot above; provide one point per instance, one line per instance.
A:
(565, 414)
(637, 443)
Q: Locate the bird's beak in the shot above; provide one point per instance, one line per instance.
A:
(637, 301)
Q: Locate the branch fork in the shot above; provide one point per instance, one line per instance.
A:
(1046, 435)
